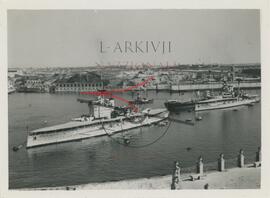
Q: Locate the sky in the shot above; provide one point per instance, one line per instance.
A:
(71, 38)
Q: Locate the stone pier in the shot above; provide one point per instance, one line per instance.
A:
(259, 155)
(221, 162)
(200, 166)
(176, 176)
(241, 159)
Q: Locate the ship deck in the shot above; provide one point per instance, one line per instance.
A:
(77, 124)
(41, 139)
(217, 105)
(216, 100)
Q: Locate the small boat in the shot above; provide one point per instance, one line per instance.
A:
(16, 148)
(163, 123)
(11, 88)
(142, 101)
(126, 139)
(188, 148)
(198, 118)
(139, 100)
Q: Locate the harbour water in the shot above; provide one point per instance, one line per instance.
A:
(102, 159)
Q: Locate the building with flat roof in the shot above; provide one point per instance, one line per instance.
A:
(88, 81)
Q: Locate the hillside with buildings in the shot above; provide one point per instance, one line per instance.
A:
(56, 80)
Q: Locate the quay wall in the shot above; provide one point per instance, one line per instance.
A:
(166, 87)
(201, 86)
(241, 161)
(213, 86)
(221, 174)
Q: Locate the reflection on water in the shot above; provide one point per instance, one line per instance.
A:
(102, 159)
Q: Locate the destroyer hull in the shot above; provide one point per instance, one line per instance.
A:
(90, 131)
(213, 106)
(202, 106)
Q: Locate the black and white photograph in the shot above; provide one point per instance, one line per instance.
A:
(134, 99)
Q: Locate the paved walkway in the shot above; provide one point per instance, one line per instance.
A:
(236, 178)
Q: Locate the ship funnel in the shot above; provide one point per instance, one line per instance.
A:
(112, 102)
(91, 109)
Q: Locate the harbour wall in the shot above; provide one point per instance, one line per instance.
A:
(241, 161)
(232, 173)
(206, 86)
(158, 87)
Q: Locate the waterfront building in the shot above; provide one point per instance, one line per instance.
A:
(13, 72)
(88, 81)
(34, 82)
(11, 87)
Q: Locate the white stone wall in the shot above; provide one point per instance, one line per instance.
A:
(72, 87)
(185, 87)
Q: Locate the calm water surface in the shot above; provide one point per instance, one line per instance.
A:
(102, 159)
